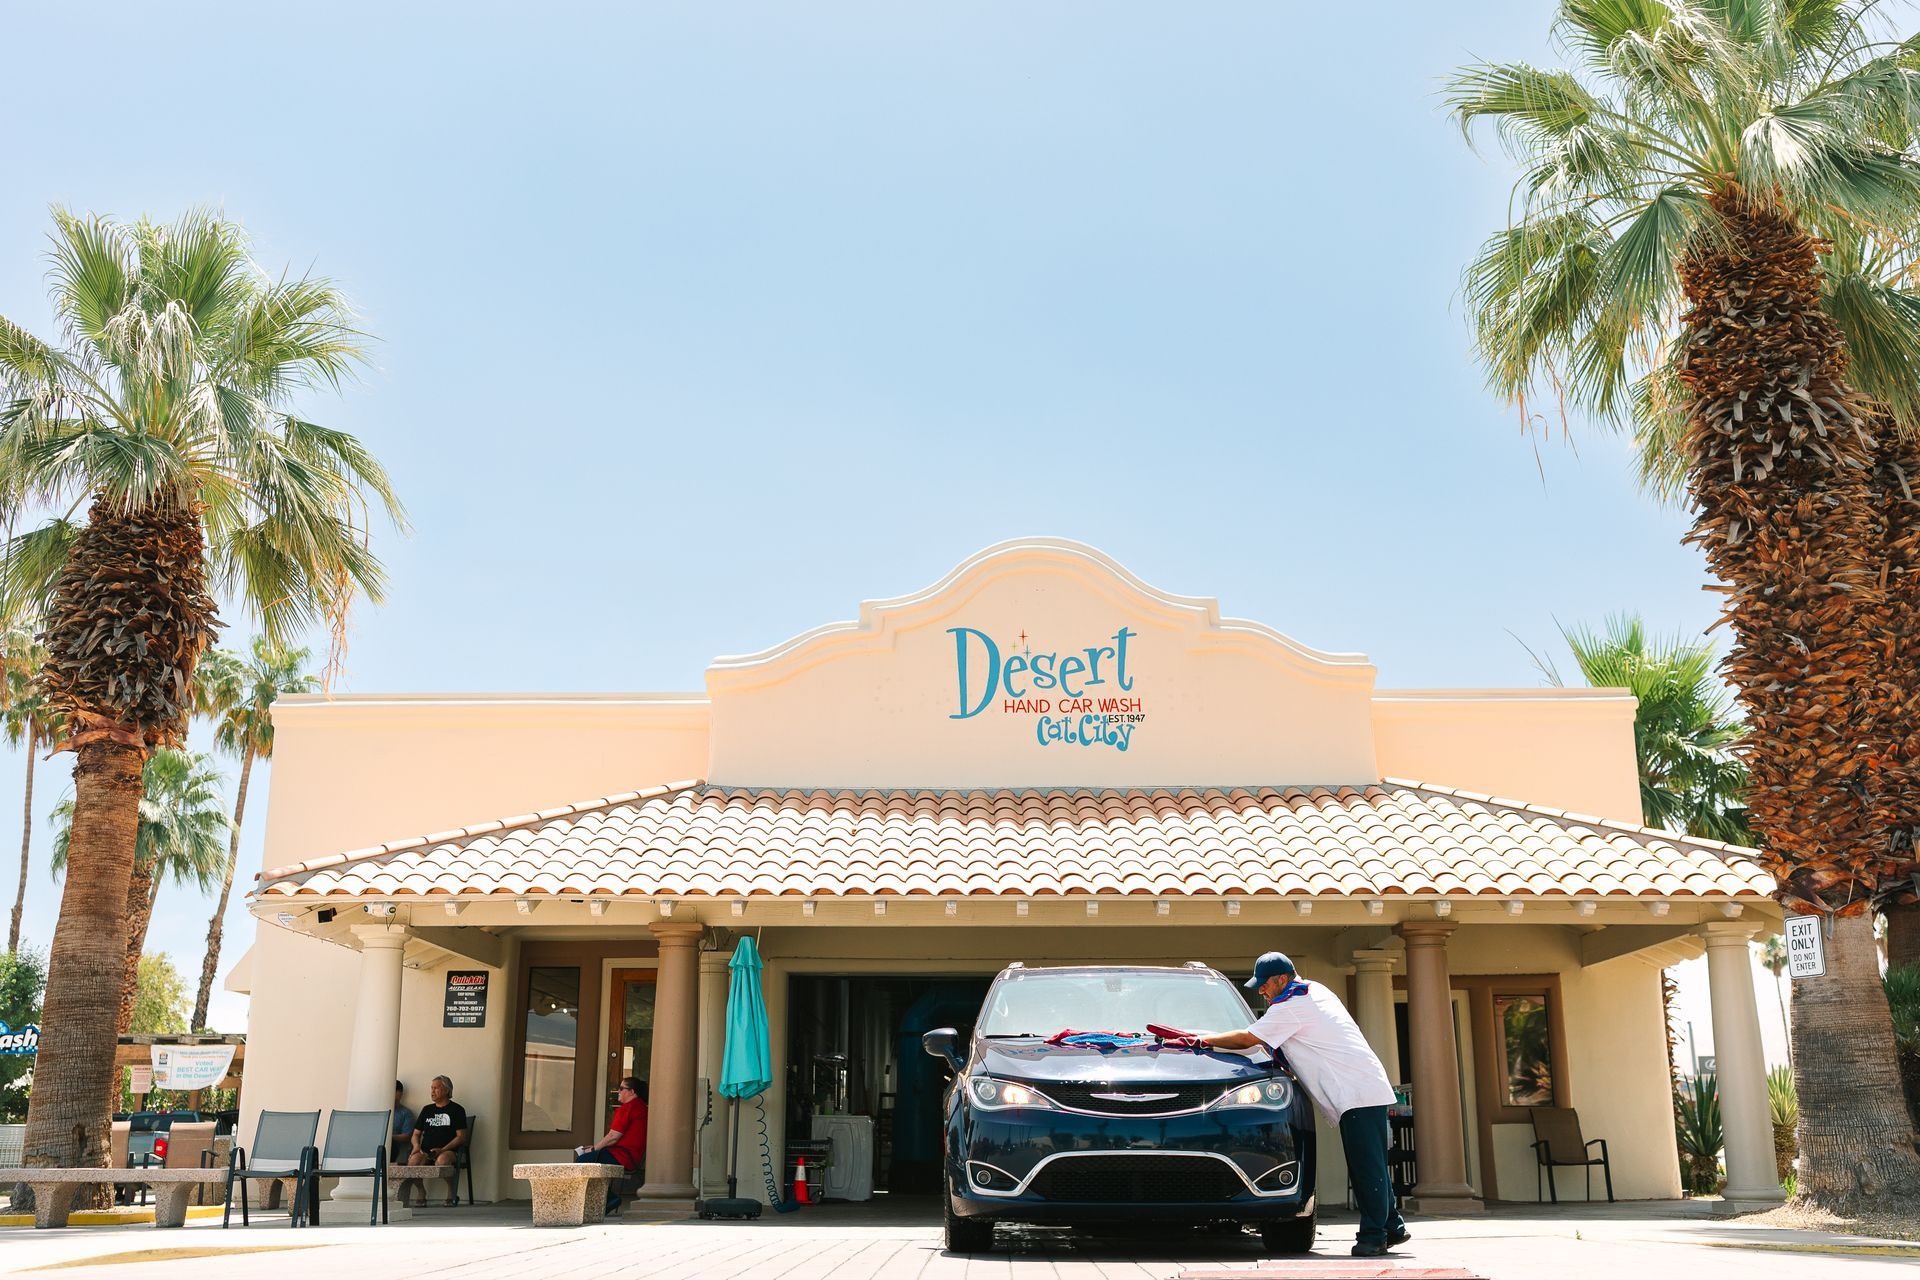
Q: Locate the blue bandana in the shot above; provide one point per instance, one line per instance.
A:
(1294, 988)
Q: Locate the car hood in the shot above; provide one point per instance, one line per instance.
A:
(1038, 1061)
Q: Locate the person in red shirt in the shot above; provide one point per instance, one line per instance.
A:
(625, 1142)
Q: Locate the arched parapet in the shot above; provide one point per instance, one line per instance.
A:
(1040, 662)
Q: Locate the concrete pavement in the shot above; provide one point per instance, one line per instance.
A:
(888, 1243)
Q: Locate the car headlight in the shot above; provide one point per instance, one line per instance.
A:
(998, 1094)
(1275, 1093)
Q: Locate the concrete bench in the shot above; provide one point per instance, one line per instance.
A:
(569, 1195)
(402, 1174)
(54, 1189)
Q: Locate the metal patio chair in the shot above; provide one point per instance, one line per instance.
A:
(1557, 1144)
(356, 1148)
(282, 1148)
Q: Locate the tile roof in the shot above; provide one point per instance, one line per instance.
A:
(694, 840)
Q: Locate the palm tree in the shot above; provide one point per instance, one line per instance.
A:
(182, 837)
(1664, 243)
(1773, 954)
(239, 696)
(23, 715)
(1868, 287)
(1684, 728)
(166, 408)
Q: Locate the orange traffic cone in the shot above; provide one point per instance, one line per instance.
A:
(800, 1193)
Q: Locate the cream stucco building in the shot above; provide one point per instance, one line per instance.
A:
(1038, 758)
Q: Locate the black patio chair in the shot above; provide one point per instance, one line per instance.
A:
(282, 1148)
(356, 1148)
(463, 1160)
(1558, 1144)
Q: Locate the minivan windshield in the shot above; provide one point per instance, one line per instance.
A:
(1040, 1002)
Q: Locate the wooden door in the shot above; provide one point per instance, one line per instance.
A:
(629, 1032)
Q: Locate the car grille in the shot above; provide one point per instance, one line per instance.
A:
(1079, 1097)
(1126, 1179)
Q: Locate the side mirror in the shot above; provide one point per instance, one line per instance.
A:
(939, 1043)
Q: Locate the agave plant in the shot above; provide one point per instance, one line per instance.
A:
(1783, 1106)
(1696, 1116)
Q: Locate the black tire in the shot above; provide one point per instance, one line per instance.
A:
(966, 1235)
(1295, 1235)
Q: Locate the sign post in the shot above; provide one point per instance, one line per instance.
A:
(466, 1004)
(1806, 951)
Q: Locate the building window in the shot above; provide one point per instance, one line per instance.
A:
(550, 1062)
(1525, 1028)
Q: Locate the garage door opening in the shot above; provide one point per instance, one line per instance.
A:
(856, 1073)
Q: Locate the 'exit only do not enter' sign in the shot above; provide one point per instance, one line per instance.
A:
(1806, 956)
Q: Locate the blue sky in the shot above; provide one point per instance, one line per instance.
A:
(701, 323)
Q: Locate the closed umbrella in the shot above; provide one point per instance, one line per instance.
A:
(746, 1068)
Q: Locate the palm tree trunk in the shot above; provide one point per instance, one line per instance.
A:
(1780, 994)
(142, 889)
(1855, 1136)
(1780, 464)
(68, 1111)
(217, 926)
(26, 848)
(129, 618)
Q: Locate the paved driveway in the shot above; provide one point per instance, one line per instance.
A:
(1621, 1243)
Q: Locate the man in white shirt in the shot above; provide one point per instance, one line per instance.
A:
(1345, 1079)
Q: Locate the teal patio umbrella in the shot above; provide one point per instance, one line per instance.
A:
(746, 1067)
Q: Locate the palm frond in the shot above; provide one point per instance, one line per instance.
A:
(177, 384)
(30, 565)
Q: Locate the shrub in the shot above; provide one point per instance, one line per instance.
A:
(1903, 1001)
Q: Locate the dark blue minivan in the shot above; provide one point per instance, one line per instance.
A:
(1118, 1128)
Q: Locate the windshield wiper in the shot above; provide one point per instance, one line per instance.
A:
(1012, 1035)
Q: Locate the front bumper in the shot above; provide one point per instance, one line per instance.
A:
(1024, 1165)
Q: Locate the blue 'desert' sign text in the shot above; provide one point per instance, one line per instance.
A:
(1077, 697)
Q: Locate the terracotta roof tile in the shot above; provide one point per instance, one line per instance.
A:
(690, 839)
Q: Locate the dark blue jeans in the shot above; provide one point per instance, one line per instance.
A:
(1365, 1135)
(603, 1157)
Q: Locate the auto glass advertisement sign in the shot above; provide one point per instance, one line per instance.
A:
(1079, 696)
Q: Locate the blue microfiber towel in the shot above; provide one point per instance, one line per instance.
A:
(1102, 1040)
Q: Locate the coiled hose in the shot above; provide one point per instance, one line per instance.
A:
(766, 1159)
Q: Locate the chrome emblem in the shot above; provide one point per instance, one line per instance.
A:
(1133, 1097)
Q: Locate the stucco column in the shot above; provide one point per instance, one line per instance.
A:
(375, 1059)
(1373, 1007)
(1439, 1145)
(710, 1143)
(1741, 1065)
(676, 1022)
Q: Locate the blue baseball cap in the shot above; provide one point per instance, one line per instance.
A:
(1270, 965)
